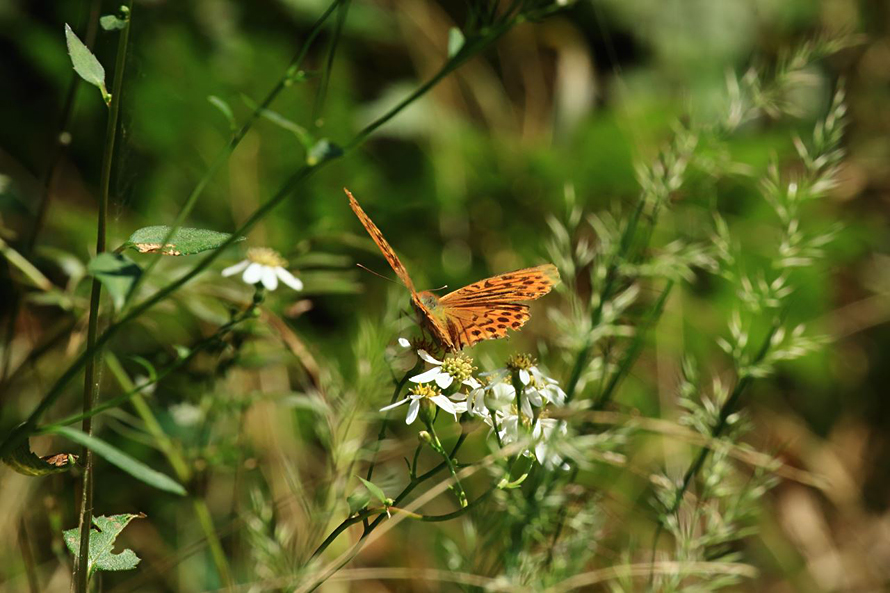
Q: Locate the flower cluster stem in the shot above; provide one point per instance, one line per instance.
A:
(436, 444)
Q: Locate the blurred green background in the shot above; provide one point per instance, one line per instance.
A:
(461, 184)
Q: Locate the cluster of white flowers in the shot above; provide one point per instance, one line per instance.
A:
(493, 399)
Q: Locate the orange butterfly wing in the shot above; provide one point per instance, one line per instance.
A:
(434, 324)
(375, 233)
(487, 309)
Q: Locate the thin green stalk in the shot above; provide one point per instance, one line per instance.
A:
(726, 410)
(61, 140)
(92, 372)
(436, 444)
(636, 347)
(28, 558)
(116, 401)
(290, 74)
(606, 294)
(398, 499)
(382, 433)
(329, 64)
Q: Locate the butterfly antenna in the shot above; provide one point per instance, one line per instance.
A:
(376, 274)
(443, 287)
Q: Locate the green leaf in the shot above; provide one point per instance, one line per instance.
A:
(456, 41)
(117, 274)
(374, 489)
(24, 461)
(185, 241)
(358, 500)
(101, 556)
(225, 110)
(116, 457)
(282, 122)
(85, 63)
(323, 150)
(111, 22)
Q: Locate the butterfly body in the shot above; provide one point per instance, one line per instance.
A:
(484, 310)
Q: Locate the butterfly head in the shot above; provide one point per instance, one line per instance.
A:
(428, 300)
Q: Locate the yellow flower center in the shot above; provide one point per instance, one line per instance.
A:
(518, 362)
(459, 366)
(266, 257)
(424, 390)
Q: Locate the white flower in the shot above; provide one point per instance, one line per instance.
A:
(444, 372)
(420, 392)
(542, 433)
(543, 386)
(264, 265)
(186, 414)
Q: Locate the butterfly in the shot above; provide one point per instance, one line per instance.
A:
(483, 310)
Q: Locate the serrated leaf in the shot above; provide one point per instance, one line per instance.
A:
(374, 489)
(85, 63)
(111, 22)
(323, 150)
(456, 41)
(101, 555)
(26, 462)
(117, 274)
(116, 457)
(185, 241)
(224, 109)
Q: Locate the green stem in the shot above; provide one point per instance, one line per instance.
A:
(436, 444)
(329, 64)
(285, 81)
(61, 140)
(726, 411)
(606, 294)
(92, 372)
(396, 501)
(636, 347)
(382, 433)
(216, 551)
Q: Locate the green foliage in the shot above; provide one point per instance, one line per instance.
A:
(117, 273)
(102, 540)
(118, 458)
(85, 63)
(225, 109)
(24, 461)
(375, 490)
(185, 241)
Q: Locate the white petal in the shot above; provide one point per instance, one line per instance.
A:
(270, 278)
(426, 356)
(289, 279)
(524, 376)
(427, 376)
(527, 408)
(473, 383)
(232, 270)
(413, 410)
(445, 403)
(404, 343)
(395, 405)
(253, 273)
(444, 380)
